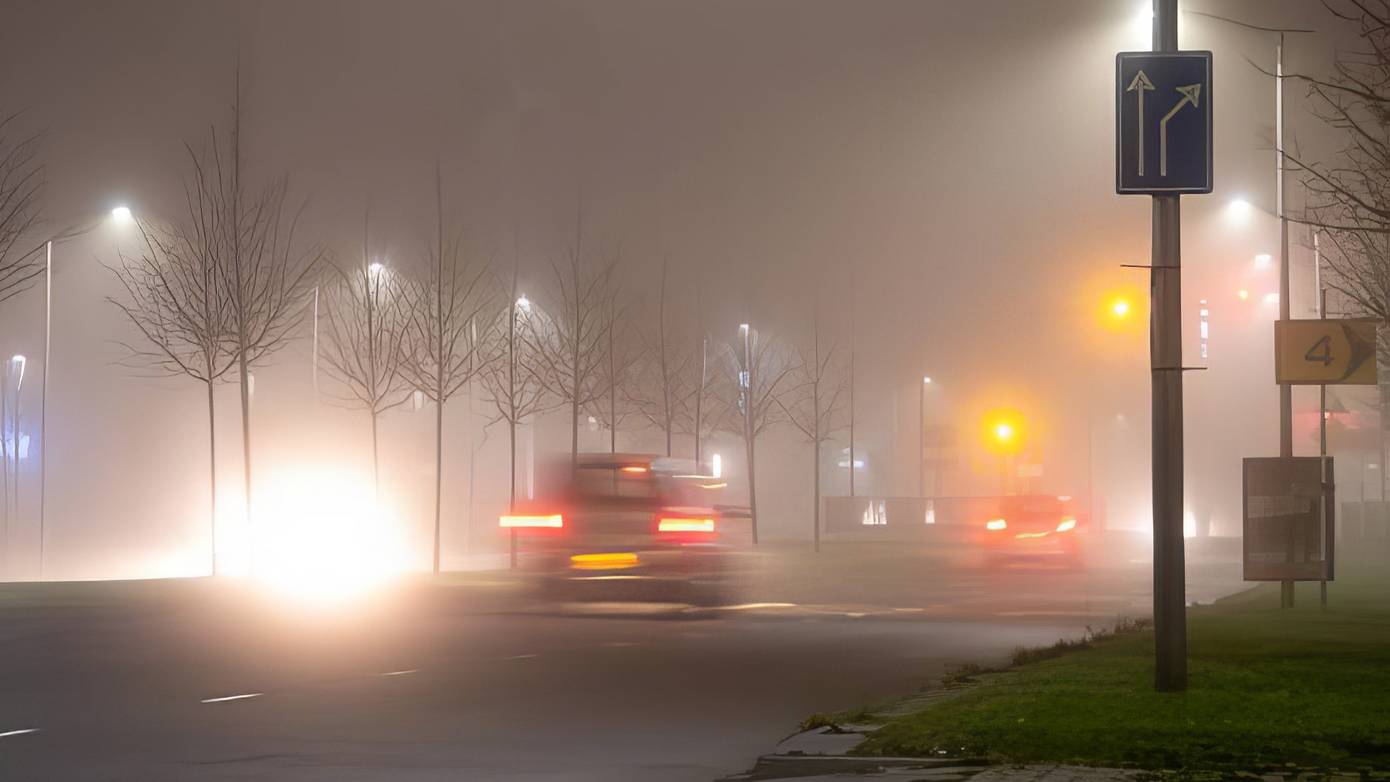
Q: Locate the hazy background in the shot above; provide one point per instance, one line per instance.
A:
(941, 170)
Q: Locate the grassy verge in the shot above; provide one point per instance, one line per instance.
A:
(1268, 688)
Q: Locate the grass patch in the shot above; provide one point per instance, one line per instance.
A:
(1267, 688)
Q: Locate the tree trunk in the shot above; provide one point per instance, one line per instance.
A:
(439, 371)
(212, 479)
(511, 498)
(851, 415)
(376, 464)
(246, 446)
(815, 484)
(752, 488)
(699, 402)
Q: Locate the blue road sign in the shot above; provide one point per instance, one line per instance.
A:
(1163, 123)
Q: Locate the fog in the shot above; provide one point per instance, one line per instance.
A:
(934, 178)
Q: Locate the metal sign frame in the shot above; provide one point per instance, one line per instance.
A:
(1197, 95)
(1288, 479)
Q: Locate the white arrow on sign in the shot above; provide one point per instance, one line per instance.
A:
(1141, 84)
(1190, 96)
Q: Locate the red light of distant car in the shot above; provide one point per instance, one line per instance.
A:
(634, 468)
(995, 525)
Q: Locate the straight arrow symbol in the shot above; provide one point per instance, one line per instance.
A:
(1141, 84)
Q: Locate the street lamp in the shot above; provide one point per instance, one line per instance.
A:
(922, 438)
(121, 216)
(17, 364)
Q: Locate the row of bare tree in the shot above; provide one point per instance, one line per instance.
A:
(217, 291)
(220, 288)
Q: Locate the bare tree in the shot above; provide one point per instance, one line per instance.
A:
(21, 188)
(368, 315)
(508, 378)
(666, 392)
(618, 372)
(568, 344)
(267, 276)
(814, 403)
(761, 367)
(173, 297)
(442, 355)
(1348, 192)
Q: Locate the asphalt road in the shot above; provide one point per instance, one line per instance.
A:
(196, 680)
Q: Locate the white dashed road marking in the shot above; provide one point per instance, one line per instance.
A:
(19, 732)
(401, 673)
(226, 698)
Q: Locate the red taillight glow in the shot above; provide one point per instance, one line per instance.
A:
(996, 524)
(553, 521)
(634, 468)
(668, 524)
(1067, 524)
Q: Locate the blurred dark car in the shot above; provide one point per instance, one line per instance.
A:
(629, 527)
(1033, 527)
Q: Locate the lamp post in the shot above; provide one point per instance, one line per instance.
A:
(1285, 390)
(17, 364)
(121, 216)
(921, 438)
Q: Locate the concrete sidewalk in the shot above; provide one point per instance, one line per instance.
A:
(822, 754)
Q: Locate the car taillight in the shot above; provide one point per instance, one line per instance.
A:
(996, 524)
(1067, 524)
(686, 526)
(552, 521)
(682, 524)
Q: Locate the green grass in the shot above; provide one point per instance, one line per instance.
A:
(1267, 688)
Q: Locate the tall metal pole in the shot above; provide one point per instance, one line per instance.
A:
(1322, 396)
(1286, 590)
(316, 342)
(43, 394)
(1165, 356)
(921, 439)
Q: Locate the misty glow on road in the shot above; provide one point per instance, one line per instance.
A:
(319, 534)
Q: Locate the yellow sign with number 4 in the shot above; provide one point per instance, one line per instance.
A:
(1325, 352)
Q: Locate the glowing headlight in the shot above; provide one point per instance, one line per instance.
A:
(1066, 524)
(996, 524)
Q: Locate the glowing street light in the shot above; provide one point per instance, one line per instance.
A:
(1271, 298)
(121, 216)
(1239, 208)
(1120, 308)
(1263, 260)
(1242, 294)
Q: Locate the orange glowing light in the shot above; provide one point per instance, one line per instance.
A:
(615, 561)
(634, 468)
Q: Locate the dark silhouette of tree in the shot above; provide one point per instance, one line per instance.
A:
(508, 376)
(814, 403)
(442, 356)
(368, 317)
(174, 299)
